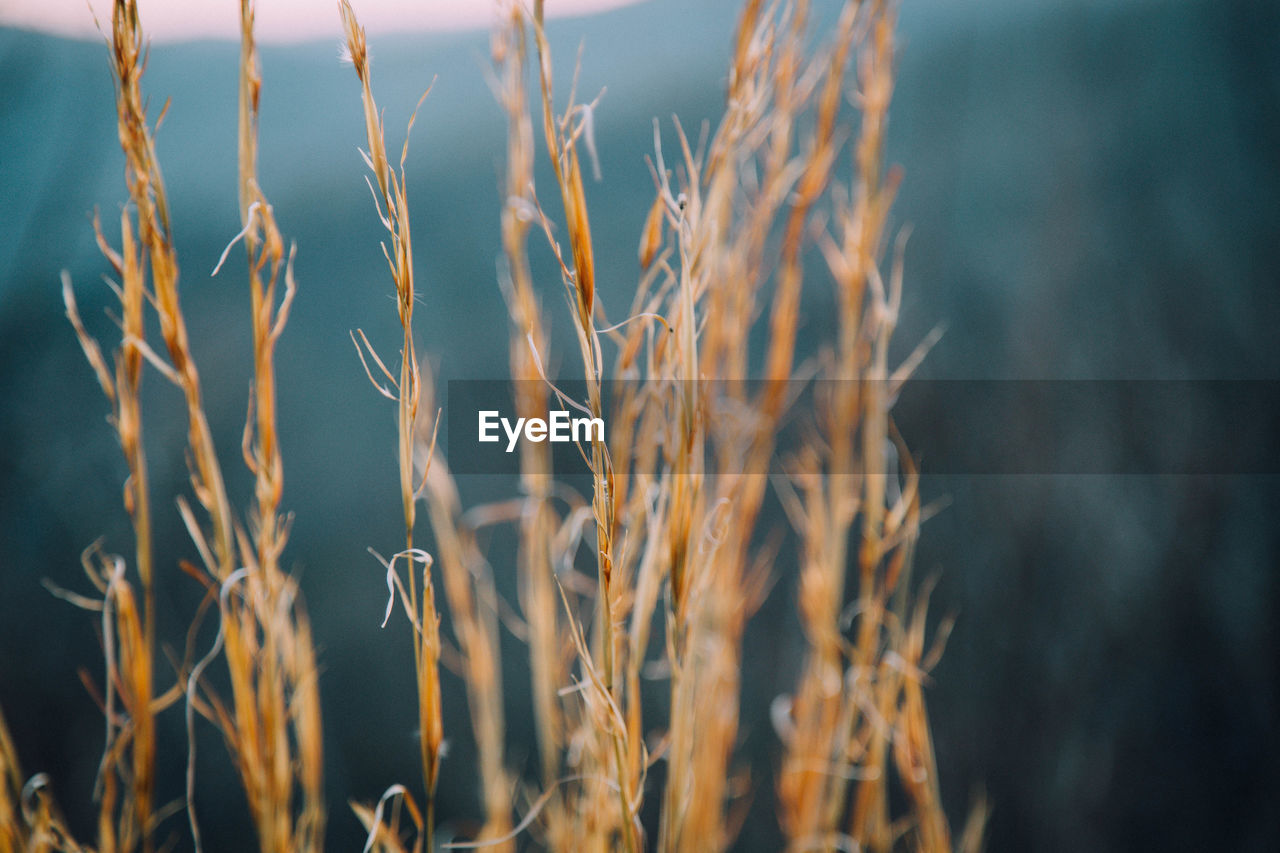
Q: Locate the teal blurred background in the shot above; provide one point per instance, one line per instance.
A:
(1094, 191)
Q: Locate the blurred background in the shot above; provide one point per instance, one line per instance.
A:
(1094, 192)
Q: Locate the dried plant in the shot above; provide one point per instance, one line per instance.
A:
(393, 209)
(683, 464)
(272, 725)
(29, 818)
(635, 593)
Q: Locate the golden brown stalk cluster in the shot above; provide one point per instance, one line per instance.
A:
(631, 597)
(272, 724)
(683, 468)
(859, 697)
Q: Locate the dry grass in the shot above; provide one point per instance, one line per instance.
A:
(657, 569)
(272, 722)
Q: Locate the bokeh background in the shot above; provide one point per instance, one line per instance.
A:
(1094, 189)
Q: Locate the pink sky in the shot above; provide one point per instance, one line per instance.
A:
(278, 20)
